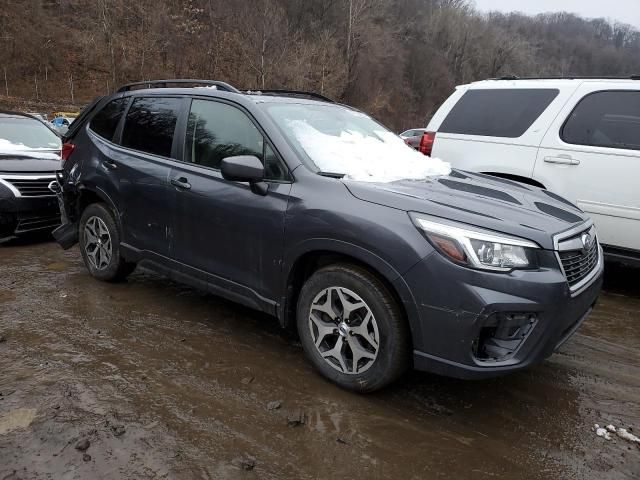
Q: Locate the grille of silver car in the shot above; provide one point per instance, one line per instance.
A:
(579, 263)
(29, 185)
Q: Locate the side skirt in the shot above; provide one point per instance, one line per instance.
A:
(200, 279)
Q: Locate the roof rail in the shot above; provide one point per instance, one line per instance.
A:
(165, 84)
(291, 93)
(570, 77)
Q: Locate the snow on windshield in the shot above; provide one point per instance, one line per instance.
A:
(9, 147)
(381, 157)
(26, 135)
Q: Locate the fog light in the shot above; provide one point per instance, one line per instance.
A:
(502, 335)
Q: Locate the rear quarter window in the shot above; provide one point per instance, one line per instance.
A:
(105, 122)
(605, 119)
(504, 113)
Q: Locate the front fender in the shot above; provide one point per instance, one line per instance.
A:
(331, 245)
(382, 267)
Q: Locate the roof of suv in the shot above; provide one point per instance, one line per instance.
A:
(191, 87)
(253, 96)
(508, 82)
(214, 87)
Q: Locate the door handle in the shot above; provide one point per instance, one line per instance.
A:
(562, 160)
(181, 183)
(110, 164)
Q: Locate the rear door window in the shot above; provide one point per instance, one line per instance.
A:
(150, 125)
(504, 113)
(105, 122)
(605, 119)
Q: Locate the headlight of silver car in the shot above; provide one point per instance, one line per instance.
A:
(482, 249)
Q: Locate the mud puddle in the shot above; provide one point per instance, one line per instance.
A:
(163, 381)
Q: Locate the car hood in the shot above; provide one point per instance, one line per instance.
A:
(31, 161)
(480, 200)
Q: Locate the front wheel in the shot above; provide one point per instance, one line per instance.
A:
(352, 328)
(100, 244)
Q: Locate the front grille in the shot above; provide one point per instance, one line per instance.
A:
(29, 185)
(579, 263)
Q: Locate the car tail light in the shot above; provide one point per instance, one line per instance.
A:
(67, 150)
(426, 143)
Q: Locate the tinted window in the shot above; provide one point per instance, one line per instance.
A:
(497, 112)
(605, 119)
(150, 125)
(217, 130)
(106, 120)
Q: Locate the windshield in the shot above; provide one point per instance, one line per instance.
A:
(23, 134)
(338, 140)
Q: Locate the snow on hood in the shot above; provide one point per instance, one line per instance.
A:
(382, 158)
(18, 148)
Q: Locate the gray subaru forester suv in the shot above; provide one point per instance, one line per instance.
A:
(313, 212)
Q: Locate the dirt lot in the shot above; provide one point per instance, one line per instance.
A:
(164, 381)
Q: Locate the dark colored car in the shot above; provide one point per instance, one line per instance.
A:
(29, 159)
(314, 213)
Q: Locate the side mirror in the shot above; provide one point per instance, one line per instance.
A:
(242, 168)
(245, 168)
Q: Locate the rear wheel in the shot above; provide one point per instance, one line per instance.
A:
(352, 328)
(100, 244)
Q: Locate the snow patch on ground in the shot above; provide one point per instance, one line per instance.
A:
(602, 432)
(623, 433)
(382, 158)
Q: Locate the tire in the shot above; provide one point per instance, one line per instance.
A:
(99, 239)
(382, 356)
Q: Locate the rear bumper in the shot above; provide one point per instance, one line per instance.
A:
(19, 216)
(460, 312)
(66, 234)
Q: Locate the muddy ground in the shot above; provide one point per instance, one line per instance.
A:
(163, 381)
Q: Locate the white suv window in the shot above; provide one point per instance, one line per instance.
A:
(605, 119)
(498, 112)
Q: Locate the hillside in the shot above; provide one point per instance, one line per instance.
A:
(397, 59)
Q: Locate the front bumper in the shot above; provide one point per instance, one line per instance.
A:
(459, 311)
(19, 216)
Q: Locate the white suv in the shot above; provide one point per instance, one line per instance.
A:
(577, 137)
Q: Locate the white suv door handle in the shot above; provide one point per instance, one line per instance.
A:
(562, 159)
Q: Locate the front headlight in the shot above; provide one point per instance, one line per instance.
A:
(477, 248)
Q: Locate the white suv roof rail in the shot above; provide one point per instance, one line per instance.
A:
(568, 77)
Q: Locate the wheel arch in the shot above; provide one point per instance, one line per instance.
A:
(320, 254)
(88, 195)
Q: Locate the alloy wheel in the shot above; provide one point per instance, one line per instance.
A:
(97, 243)
(344, 330)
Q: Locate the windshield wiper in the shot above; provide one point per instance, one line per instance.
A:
(332, 174)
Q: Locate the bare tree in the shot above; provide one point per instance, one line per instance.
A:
(397, 59)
